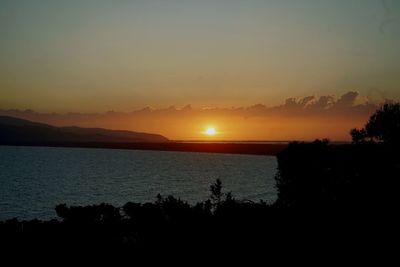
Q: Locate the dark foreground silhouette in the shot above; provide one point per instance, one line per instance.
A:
(346, 196)
(332, 199)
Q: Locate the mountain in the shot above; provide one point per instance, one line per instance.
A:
(15, 130)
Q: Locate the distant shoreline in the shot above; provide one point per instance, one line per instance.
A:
(247, 148)
(272, 142)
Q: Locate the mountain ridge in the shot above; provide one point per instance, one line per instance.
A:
(14, 130)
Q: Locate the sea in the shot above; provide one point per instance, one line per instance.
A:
(33, 180)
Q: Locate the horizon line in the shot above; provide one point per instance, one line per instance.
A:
(253, 141)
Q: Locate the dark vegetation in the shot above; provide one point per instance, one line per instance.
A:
(331, 198)
(383, 126)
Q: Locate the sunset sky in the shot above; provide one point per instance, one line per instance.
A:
(96, 56)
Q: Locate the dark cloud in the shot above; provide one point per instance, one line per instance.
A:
(345, 105)
(346, 101)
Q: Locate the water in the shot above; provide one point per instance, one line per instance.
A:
(33, 180)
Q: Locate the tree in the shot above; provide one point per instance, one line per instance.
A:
(216, 192)
(382, 126)
(217, 197)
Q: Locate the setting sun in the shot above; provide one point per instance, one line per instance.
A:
(210, 131)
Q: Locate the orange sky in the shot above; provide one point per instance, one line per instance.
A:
(305, 118)
(94, 56)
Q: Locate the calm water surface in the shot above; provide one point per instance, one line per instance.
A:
(33, 180)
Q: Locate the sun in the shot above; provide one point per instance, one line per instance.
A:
(210, 131)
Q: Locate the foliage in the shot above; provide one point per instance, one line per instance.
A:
(383, 126)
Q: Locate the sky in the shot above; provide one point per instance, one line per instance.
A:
(93, 56)
(302, 119)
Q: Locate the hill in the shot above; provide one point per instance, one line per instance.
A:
(19, 131)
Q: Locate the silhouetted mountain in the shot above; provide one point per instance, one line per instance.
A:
(14, 131)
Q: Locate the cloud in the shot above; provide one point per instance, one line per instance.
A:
(297, 118)
(346, 104)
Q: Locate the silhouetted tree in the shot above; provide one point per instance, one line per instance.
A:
(216, 192)
(358, 136)
(91, 214)
(343, 177)
(383, 126)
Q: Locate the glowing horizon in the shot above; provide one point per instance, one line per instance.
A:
(305, 118)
